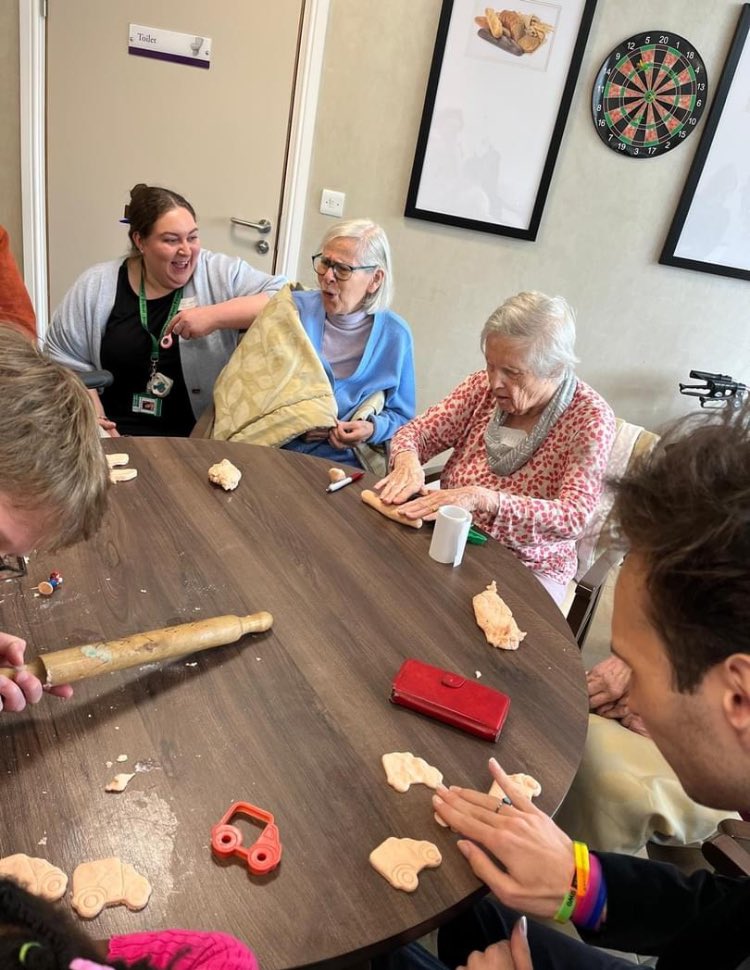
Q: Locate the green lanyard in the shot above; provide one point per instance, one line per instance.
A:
(143, 311)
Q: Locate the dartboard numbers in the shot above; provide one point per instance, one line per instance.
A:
(649, 94)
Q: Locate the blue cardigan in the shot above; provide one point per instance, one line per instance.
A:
(387, 365)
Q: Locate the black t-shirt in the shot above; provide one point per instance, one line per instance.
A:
(126, 352)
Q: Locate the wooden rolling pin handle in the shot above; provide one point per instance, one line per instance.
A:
(78, 663)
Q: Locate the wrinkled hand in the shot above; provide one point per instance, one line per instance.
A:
(473, 498)
(634, 722)
(537, 855)
(197, 321)
(24, 688)
(508, 955)
(346, 434)
(405, 479)
(607, 683)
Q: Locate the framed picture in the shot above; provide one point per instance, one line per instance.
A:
(497, 100)
(710, 231)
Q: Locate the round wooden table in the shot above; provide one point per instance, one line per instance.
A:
(294, 720)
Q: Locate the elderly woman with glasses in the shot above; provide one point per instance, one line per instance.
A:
(365, 348)
(530, 442)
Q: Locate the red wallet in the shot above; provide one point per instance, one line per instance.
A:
(451, 698)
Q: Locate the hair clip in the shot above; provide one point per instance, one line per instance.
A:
(24, 950)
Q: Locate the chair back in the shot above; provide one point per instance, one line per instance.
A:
(597, 552)
(630, 443)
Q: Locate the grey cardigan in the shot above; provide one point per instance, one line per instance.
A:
(74, 337)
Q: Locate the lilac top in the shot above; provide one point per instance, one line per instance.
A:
(344, 341)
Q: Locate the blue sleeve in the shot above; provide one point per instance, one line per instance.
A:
(400, 396)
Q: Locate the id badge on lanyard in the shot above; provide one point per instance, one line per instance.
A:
(158, 385)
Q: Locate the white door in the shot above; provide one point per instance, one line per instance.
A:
(217, 136)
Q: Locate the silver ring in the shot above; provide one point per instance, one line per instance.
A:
(504, 801)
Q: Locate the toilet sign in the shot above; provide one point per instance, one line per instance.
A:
(169, 45)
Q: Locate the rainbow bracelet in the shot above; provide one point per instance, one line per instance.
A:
(579, 883)
(583, 867)
(588, 910)
(566, 907)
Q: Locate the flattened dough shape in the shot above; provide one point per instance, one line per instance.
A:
(403, 769)
(495, 618)
(35, 875)
(389, 511)
(122, 474)
(401, 860)
(531, 787)
(108, 882)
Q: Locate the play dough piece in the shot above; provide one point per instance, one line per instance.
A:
(115, 461)
(403, 769)
(36, 875)
(122, 474)
(531, 787)
(389, 511)
(108, 882)
(495, 618)
(401, 860)
(336, 475)
(225, 474)
(119, 782)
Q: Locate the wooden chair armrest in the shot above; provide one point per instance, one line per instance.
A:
(726, 855)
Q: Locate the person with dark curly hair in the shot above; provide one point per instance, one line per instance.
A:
(38, 935)
(682, 624)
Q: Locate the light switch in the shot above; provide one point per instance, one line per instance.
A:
(332, 203)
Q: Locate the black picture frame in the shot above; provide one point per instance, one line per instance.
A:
(497, 179)
(710, 231)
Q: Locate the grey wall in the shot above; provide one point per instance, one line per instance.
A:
(641, 326)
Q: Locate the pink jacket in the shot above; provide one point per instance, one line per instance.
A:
(546, 504)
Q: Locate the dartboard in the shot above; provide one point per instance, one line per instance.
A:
(649, 94)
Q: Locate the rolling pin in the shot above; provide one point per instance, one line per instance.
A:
(78, 663)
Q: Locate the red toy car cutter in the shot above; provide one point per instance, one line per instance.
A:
(264, 854)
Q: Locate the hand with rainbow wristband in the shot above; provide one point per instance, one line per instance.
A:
(586, 900)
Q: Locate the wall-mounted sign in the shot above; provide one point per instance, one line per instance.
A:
(169, 45)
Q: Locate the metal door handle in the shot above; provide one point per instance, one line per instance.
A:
(263, 226)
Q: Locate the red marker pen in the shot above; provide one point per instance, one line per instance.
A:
(335, 486)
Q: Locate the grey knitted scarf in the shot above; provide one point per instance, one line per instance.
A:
(505, 459)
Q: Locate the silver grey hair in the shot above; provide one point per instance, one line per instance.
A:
(373, 250)
(544, 324)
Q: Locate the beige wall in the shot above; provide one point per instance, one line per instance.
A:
(10, 162)
(641, 326)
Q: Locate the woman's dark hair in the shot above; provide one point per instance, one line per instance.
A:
(43, 934)
(685, 509)
(149, 203)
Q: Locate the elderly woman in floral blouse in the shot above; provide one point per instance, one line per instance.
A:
(530, 442)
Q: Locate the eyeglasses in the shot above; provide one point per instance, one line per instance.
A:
(342, 271)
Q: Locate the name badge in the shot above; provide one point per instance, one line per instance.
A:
(146, 404)
(187, 303)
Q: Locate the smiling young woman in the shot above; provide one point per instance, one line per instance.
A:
(164, 321)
